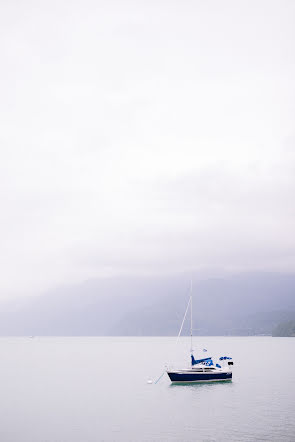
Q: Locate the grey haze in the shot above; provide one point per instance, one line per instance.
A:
(143, 138)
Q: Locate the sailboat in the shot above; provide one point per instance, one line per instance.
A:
(204, 369)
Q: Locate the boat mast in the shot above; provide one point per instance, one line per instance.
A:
(191, 316)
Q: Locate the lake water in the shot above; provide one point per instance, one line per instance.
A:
(95, 389)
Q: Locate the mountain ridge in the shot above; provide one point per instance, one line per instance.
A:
(245, 304)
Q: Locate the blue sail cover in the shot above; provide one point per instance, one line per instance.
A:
(208, 363)
(224, 358)
(199, 361)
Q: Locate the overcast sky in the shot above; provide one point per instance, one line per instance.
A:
(145, 137)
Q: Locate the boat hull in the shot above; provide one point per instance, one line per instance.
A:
(178, 377)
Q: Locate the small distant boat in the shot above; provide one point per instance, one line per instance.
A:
(204, 369)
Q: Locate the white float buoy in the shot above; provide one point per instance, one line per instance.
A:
(149, 381)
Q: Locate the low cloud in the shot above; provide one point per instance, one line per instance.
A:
(145, 140)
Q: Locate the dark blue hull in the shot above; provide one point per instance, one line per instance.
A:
(199, 377)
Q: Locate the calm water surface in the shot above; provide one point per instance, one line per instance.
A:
(95, 389)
